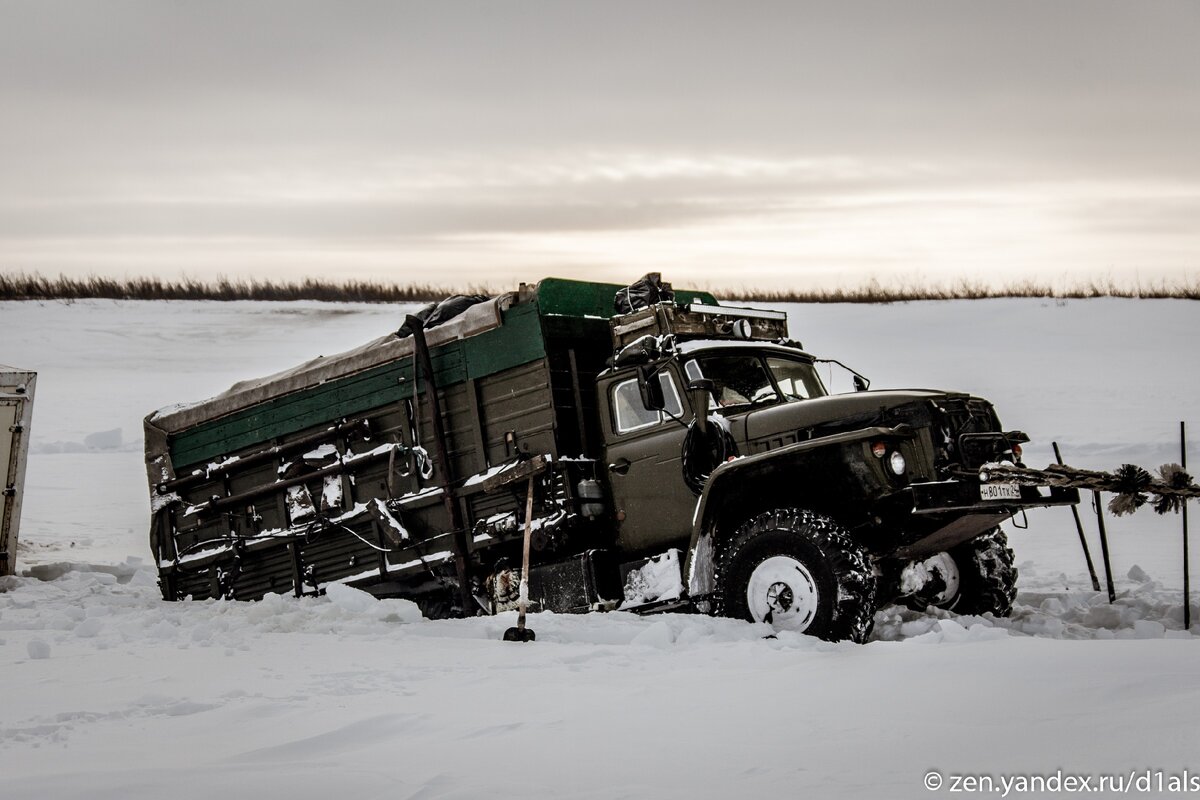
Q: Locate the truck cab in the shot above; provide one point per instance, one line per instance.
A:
(644, 447)
(857, 499)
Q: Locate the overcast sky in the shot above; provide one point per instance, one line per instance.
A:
(727, 144)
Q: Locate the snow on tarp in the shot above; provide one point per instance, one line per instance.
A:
(476, 319)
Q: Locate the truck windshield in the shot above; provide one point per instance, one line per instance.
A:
(749, 378)
(796, 379)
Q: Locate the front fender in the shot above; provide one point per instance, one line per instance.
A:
(725, 481)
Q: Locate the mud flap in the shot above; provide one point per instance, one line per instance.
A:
(583, 583)
(955, 532)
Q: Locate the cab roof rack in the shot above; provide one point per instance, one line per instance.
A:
(699, 320)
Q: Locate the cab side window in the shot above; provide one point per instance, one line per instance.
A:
(628, 412)
(630, 415)
(674, 405)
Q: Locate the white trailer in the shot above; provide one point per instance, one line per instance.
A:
(16, 412)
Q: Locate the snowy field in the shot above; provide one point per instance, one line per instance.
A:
(108, 692)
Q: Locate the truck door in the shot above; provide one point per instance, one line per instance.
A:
(652, 502)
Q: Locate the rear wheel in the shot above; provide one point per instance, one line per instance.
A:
(797, 571)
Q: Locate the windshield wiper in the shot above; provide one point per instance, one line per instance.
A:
(766, 400)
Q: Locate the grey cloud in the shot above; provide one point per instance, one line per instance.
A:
(301, 222)
(1158, 217)
(557, 198)
(861, 75)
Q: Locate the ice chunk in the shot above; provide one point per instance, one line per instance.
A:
(1138, 574)
(1107, 617)
(350, 599)
(657, 635)
(88, 628)
(1053, 606)
(1148, 629)
(951, 631)
(917, 627)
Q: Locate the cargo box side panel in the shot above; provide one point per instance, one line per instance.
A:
(512, 356)
(284, 496)
(517, 341)
(462, 427)
(293, 414)
(233, 521)
(518, 402)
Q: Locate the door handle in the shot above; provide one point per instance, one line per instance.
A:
(620, 467)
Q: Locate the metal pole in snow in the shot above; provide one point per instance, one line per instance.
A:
(1087, 554)
(1098, 504)
(1187, 582)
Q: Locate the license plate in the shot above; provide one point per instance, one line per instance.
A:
(999, 491)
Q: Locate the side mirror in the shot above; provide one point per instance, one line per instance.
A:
(861, 382)
(651, 389)
(699, 391)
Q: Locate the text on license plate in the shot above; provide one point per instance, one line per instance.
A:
(999, 491)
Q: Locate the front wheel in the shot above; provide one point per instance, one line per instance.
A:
(976, 577)
(987, 576)
(797, 571)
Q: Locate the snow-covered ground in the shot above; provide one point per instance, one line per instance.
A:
(110, 693)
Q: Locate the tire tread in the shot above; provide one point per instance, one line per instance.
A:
(853, 611)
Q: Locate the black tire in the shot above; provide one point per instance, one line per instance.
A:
(987, 576)
(841, 574)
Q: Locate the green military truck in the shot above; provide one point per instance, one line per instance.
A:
(683, 456)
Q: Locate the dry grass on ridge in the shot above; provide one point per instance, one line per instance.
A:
(22, 286)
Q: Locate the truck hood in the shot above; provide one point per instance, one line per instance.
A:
(826, 415)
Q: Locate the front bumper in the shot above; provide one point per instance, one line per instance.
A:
(944, 497)
(946, 513)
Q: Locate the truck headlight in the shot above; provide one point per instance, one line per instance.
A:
(897, 463)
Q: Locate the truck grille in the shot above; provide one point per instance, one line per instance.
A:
(966, 434)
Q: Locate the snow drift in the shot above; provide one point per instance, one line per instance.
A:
(111, 693)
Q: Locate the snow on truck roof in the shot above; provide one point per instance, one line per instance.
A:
(695, 346)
